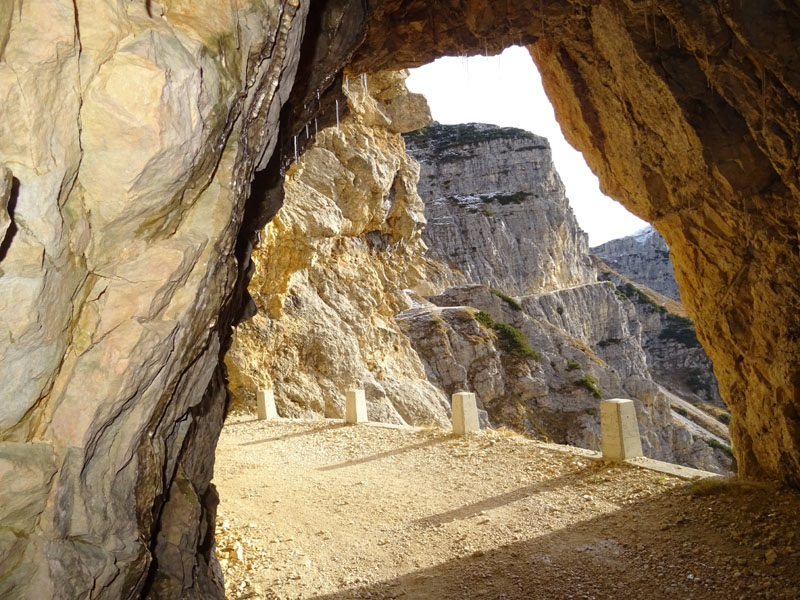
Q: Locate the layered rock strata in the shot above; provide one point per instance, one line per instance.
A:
(669, 338)
(644, 258)
(554, 391)
(528, 241)
(335, 265)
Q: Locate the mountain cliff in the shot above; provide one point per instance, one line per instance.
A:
(350, 295)
(496, 208)
(642, 257)
(334, 266)
(589, 335)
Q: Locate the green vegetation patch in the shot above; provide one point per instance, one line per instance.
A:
(590, 383)
(506, 298)
(715, 443)
(681, 330)
(512, 340)
(485, 319)
(573, 365)
(634, 293)
(724, 418)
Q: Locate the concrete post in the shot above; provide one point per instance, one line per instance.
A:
(266, 405)
(465, 413)
(619, 430)
(355, 409)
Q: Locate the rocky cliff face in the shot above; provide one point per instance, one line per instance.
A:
(496, 208)
(675, 356)
(599, 347)
(686, 112)
(335, 265)
(644, 258)
(130, 134)
(547, 378)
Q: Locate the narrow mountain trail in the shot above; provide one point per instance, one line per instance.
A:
(321, 510)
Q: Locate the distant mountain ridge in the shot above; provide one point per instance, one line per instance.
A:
(644, 257)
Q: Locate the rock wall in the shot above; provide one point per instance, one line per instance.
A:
(669, 338)
(517, 231)
(644, 258)
(334, 266)
(496, 208)
(554, 391)
(130, 135)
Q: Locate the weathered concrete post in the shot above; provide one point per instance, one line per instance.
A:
(266, 405)
(619, 430)
(465, 413)
(355, 408)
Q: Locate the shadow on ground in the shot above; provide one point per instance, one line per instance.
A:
(717, 540)
(387, 454)
(288, 436)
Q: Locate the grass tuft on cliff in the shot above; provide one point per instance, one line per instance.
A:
(715, 443)
(512, 340)
(589, 382)
(507, 299)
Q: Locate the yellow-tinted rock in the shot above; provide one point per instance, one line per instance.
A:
(325, 284)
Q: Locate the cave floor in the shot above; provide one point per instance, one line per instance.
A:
(321, 510)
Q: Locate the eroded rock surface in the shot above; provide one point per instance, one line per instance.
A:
(642, 257)
(496, 208)
(334, 267)
(132, 130)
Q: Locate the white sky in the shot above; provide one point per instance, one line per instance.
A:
(506, 90)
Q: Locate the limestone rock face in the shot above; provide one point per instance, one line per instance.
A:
(130, 133)
(496, 208)
(540, 254)
(335, 265)
(674, 355)
(642, 257)
(545, 396)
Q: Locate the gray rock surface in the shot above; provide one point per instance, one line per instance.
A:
(642, 257)
(496, 208)
(475, 180)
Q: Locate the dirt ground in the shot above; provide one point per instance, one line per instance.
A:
(321, 510)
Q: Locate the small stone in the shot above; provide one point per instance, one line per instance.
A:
(770, 556)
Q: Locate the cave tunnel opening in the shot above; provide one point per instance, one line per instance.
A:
(126, 259)
(291, 517)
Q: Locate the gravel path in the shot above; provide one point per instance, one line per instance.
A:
(317, 509)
